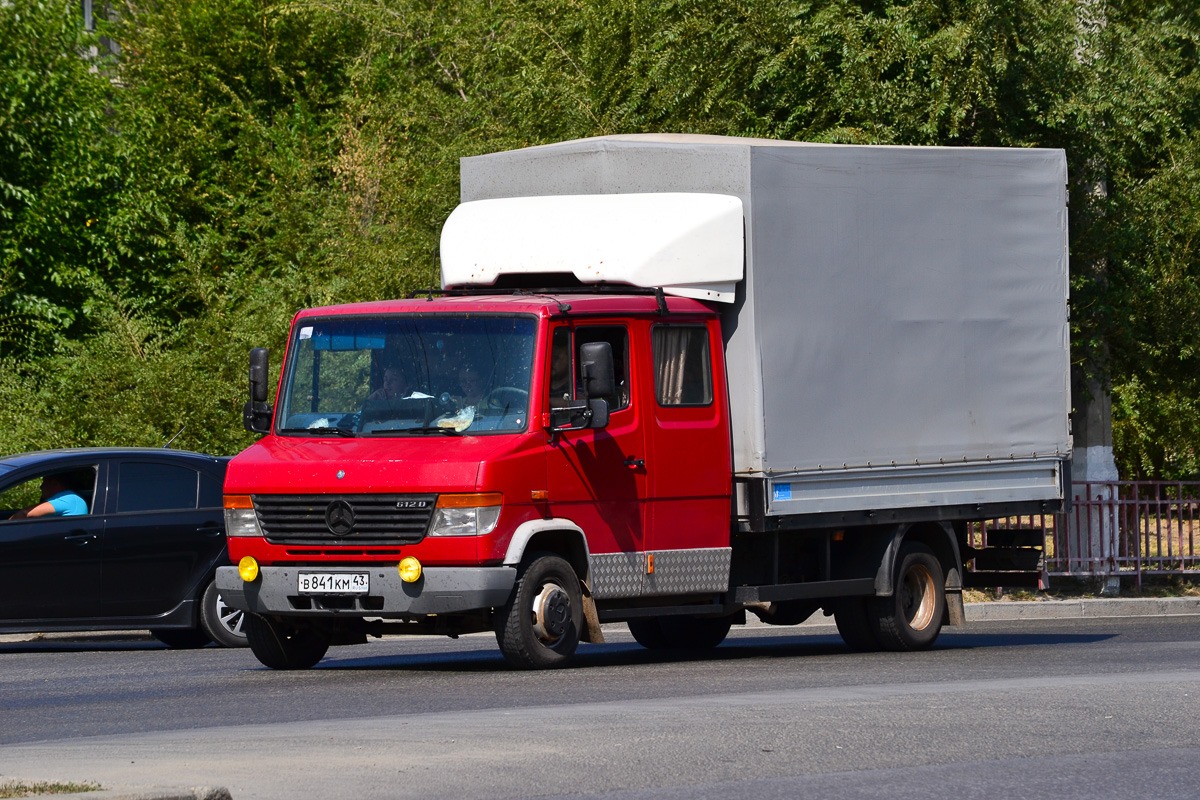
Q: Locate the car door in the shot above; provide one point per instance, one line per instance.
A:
(159, 543)
(597, 478)
(50, 566)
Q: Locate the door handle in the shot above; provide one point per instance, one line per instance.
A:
(635, 463)
(80, 539)
(211, 529)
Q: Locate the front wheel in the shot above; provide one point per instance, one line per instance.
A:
(539, 628)
(911, 618)
(282, 645)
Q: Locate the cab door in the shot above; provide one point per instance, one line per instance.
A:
(597, 478)
(689, 483)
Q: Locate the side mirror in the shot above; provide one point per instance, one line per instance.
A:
(596, 367)
(257, 414)
(258, 374)
(580, 415)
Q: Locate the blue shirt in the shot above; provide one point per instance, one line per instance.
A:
(68, 504)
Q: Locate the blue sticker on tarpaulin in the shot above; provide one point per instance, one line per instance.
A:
(782, 491)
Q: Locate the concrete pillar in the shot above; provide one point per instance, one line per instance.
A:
(1094, 529)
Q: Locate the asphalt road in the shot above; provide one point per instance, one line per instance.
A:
(1080, 708)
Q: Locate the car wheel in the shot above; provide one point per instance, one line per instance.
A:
(181, 638)
(540, 626)
(222, 623)
(279, 644)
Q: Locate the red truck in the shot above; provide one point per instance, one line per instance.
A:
(668, 380)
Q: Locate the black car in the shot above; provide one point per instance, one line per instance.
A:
(142, 557)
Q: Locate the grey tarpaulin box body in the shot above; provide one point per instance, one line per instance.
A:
(900, 339)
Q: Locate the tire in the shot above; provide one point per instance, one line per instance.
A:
(539, 627)
(648, 633)
(222, 623)
(911, 618)
(855, 624)
(680, 633)
(281, 645)
(181, 638)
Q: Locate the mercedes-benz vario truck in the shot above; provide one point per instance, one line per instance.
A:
(668, 380)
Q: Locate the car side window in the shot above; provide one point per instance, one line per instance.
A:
(27, 493)
(147, 486)
(211, 490)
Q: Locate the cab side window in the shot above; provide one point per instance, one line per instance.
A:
(566, 379)
(682, 367)
(145, 486)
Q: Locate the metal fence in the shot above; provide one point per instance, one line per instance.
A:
(1125, 529)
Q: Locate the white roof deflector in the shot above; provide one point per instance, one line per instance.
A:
(689, 244)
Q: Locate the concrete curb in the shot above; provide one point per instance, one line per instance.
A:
(143, 793)
(1082, 607)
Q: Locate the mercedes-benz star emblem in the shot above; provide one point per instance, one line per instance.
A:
(339, 516)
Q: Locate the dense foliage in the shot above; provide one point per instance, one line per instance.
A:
(166, 208)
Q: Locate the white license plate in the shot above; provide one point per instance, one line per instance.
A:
(334, 583)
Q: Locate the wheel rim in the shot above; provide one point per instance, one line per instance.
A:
(918, 597)
(551, 614)
(231, 618)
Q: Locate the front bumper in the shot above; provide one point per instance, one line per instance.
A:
(440, 590)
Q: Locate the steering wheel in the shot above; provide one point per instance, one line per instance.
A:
(506, 397)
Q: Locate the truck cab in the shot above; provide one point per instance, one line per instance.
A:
(424, 455)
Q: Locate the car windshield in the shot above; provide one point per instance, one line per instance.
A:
(410, 375)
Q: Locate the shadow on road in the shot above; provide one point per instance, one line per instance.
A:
(627, 654)
(85, 643)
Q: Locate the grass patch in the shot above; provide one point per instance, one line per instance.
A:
(34, 788)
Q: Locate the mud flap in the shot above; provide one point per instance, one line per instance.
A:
(591, 620)
(956, 614)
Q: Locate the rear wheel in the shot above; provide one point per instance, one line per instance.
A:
(283, 645)
(855, 624)
(540, 626)
(911, 618)
(222, 623)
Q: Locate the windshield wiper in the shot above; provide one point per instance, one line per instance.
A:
(320, 431)
(422, 429)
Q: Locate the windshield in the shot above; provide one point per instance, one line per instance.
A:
(408, 375)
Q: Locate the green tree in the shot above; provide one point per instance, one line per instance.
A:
(56, 172)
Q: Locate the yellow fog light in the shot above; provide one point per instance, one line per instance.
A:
(248, 568)
(410, 570)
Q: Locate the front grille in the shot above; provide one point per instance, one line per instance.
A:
(386, 519)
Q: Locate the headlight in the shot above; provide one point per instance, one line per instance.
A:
(240, 519)
(466, 514)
